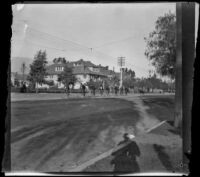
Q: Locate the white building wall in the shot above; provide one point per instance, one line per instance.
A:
(42, 85)
(54, 78)
(83, 78)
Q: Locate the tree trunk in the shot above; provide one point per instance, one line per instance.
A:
(36, 87)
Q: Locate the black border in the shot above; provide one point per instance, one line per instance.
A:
(5, 88)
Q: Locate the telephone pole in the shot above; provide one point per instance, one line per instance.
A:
(23, 68)
(121, 63)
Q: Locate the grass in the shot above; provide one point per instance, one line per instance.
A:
(162, 107)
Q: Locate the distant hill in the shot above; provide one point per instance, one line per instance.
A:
(16, 63)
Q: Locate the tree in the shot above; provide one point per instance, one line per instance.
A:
(114, 81)
(50, 83)
(67, 77)
(59, 60)
(161, 45)
(130, 72)
(94, 84)
(38, 69)
(128, 78)
(16, 82)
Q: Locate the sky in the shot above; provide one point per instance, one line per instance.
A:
(97, 32)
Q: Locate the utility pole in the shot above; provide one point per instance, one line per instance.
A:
(23, 68)
(121, 63)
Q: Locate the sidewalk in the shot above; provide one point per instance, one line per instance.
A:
(53, 96)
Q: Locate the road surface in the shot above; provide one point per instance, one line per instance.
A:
(61, 135)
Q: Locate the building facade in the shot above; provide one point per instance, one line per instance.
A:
(83, 71)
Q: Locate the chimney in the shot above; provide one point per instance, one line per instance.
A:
(114, 69)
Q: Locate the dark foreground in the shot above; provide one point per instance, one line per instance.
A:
(60, 135)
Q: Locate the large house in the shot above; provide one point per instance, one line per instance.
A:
(83, 70)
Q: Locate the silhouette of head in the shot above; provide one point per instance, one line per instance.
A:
(126, 138)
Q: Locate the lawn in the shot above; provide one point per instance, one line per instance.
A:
(162, 107)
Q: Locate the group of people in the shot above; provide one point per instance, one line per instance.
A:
(121, 90)
(116, 90)
(107, 90)
(23, 87)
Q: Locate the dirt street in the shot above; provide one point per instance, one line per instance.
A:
(60, 135)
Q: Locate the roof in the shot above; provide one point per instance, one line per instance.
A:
(107, 72)
(51, 68)
(81, 69)
(85, 70)
(83, 62)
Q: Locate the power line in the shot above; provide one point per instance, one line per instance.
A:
(55, 37)
(66, 40)
(110, 43)
(43, 45)
(92, 49)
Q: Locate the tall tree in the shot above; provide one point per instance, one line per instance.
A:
(161, 45)
(38, 69)
(114, 81)
(67, 77)
(128, 78)
(93, 84)
(130, 72)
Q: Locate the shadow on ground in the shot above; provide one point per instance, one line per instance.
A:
(176, 131)
(125, 159)
(163, 156)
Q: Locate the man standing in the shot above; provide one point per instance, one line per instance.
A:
(126, 90)
(93, 89)
(67, 89)
(83, 89)
(107, 89)
(116, 90)
(101, 90)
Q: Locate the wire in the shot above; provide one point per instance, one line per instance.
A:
(91, 49)
(59, 38)
(41, 45)
(110, 43)
(55, 37)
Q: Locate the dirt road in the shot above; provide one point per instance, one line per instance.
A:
(60, 135)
